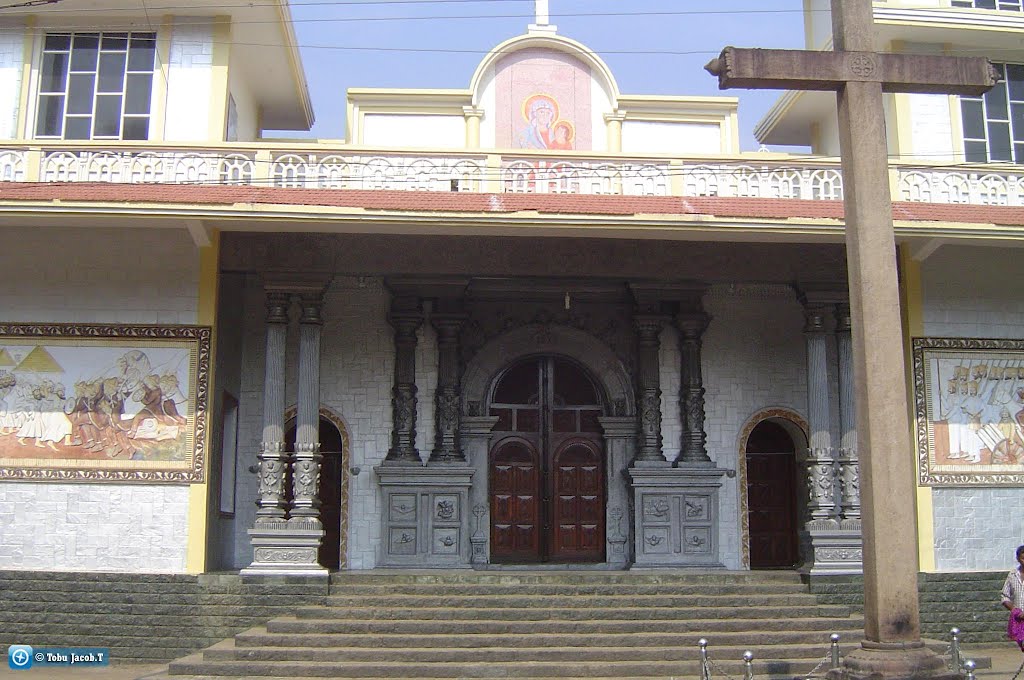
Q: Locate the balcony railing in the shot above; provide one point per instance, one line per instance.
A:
(751, 175)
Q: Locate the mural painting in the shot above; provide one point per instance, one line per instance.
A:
(88, 403)
(969, 398)
(543, 101)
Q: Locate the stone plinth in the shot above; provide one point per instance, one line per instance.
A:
(893, 661)
(676, 516)
(832, 547)
(426, 518)
(282, 548)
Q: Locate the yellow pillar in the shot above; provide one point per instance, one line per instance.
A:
(913, 326)
(473, 117)
(24, 127)
(613, 124)
(199, 494)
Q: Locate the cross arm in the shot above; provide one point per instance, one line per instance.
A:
(807, 70)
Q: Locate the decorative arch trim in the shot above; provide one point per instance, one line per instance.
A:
(346, 459)
(792, 422)
(551, 42)
(533, 339)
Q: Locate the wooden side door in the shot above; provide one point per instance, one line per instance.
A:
(771, 498)
(515, 501)
(578, 503)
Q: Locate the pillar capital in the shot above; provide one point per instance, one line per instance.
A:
(311, 304)
(844, 321)
(277, 303)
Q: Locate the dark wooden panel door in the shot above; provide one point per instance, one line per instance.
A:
(547, 485)
(771, 499)
(515, 501)
(578, 503)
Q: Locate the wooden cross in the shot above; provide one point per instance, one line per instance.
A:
(887, 477)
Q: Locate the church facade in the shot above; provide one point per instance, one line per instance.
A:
(536, 321)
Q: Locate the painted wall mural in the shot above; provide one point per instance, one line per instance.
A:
(103, 403)
(969, 400)
(543, 101)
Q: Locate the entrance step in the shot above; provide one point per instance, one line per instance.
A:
(559, 624)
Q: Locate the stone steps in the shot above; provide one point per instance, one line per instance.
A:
(536, 625)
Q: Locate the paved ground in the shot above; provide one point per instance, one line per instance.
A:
(1006, 659)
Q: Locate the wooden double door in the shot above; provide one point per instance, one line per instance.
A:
(547, 480)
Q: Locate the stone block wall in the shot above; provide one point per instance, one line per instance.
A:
(189, 80)
(972, 292)
(96, 276)
(12, 55)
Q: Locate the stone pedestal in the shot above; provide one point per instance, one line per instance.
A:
(282, 548)
(832, 547)
(676, 516)
(620, 447)
(893, 661)
(426, 518)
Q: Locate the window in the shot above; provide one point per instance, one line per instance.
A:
(1007, 5)
(994, 124)
(96, 86)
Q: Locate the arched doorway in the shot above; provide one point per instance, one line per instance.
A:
(546, 464)
(331, 488)
(772, 497)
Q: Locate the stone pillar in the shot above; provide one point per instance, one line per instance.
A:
(692, 323)
(272, 456)
(405, 317)
(819, 456)
(473, 116)
(620, 443)
(648, 328)
(306, 466)
(447, 397)
(614, 122)
(849, 465)
(475, 435)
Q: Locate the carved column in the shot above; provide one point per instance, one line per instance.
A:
(691, 324)
(272, 457)
(306, 466)
(648, 328)
(849, 465)
(446, 398)
(819, 458)
(405, 317)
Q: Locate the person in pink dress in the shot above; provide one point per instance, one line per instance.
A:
(1013, 599)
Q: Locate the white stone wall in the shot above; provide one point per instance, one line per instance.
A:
(754, 358)
(246, 108)
(974, 293)
(189, 80)
(12, 55)
(96, 276)
(642, 136)
(931, 132)
(405, 130)
(356, 373)
(93, 527)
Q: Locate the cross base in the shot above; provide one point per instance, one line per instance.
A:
(893, 661)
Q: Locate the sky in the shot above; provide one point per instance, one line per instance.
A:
(651, 46)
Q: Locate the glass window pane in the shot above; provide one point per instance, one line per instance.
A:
(995, 103)
(115, 41)
(985, 4)
(54, 73)
(108, 116)
(1017, 121)
(135, 127)
(138, 93)
(51, 111)
(80, 91)
(140, 54)
(111, 72)
(1018, 153)
(57, 41)
(84, 53)
(1015, 81)
(78, 127)
(974, 120)
(999, 141)
(975, 152)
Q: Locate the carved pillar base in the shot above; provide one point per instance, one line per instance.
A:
(475, 435)
(893, 661)
(676, 517)
(285, 549)
(620, 447)
(832, 547)
(426, 519)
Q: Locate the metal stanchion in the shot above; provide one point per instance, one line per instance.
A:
(956, 663)
(748, 665)
(834, 638)
(969, 669)
(705, 670)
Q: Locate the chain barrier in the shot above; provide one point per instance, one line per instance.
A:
(707, 664)
(1019, 670)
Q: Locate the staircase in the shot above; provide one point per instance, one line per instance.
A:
(537, 625)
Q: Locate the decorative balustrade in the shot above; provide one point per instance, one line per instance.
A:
(752, 177)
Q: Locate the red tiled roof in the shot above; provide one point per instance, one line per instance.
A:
(436, 201)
